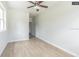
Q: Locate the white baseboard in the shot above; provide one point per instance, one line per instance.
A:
(71, 53)
(19, 39)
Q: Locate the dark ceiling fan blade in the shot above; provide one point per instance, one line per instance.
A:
(31, 2)
(40, 2)
(30, 6)
(43, 6)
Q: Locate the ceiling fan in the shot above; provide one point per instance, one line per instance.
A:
(37, 5)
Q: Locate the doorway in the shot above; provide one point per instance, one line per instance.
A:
(32, 27)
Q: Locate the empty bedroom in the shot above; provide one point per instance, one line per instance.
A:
(39, 29)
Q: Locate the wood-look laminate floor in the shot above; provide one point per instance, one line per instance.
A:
(33, 48)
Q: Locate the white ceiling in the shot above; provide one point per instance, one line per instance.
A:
(21, 5)
(25, 4)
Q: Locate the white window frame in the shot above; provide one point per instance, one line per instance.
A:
(3, 18)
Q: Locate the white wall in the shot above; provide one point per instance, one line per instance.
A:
(18, 24)
(3, 41)
(18, 21)
(3, 36)
(59, 24)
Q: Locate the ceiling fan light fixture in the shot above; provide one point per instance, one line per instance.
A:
(37, 7)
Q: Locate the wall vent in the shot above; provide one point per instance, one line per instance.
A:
(75, 3)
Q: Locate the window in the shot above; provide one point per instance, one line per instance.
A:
(2, 19)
